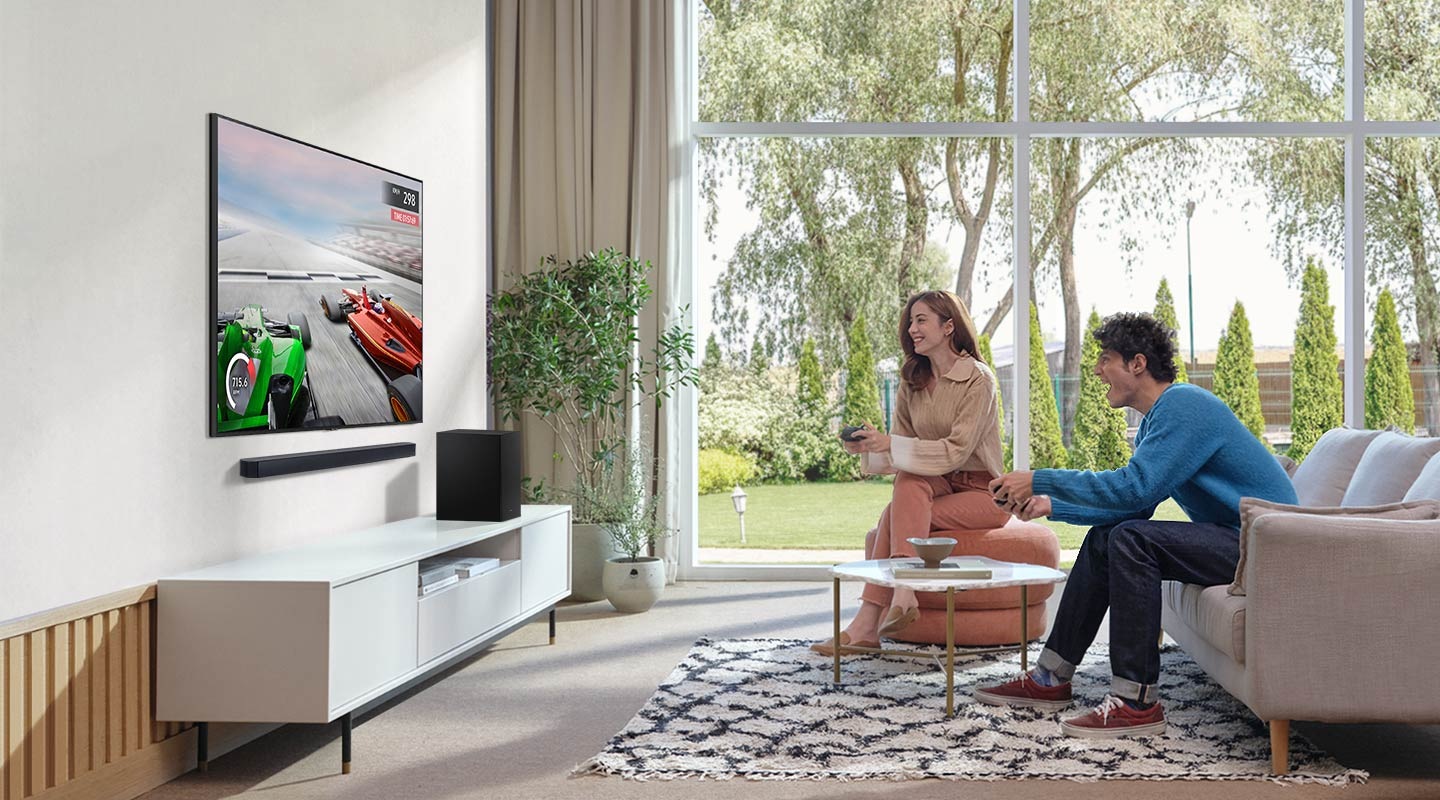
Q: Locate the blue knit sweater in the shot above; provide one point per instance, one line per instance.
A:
(1189, 447)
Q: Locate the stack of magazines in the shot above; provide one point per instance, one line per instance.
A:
(441, 571)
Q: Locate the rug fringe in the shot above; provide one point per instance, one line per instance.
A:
(596, 766)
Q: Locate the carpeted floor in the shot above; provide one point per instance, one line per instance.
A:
(515, 720)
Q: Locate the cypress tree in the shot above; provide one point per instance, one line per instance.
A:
(1317, 402)
(810, 388)
(759, 362)
(1047, 448)
(983, 345)
(862, 385)
(1235, 380)
(713, 357)
(1098, 442)
(1389, 399)
(1165, 313)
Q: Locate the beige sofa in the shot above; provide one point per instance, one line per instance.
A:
(1335, 609)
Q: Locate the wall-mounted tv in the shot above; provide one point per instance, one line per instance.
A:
(316, 264)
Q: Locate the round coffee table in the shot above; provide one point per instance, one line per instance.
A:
(1002, 573)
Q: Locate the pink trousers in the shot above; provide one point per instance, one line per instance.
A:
(925, 503)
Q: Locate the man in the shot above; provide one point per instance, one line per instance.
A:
(1190, 447)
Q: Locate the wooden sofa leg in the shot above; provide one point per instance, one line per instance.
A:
(1279, 746)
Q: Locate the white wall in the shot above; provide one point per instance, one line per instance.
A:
(107, 476)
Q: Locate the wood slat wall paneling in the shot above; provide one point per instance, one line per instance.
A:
(114, 688)
(81, 666)
(77, 688)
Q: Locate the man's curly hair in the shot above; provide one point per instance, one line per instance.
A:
(1130, 334)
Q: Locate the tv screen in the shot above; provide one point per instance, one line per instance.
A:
(316, 263)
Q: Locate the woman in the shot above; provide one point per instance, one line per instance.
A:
(944, 448)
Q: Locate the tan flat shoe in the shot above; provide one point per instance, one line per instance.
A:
(827, 647)
(897, 618)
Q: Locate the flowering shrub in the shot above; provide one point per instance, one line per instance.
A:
(720, 470)
(759, 415)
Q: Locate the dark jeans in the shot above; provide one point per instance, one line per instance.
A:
(1120, 568)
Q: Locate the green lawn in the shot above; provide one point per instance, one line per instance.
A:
(826, 516)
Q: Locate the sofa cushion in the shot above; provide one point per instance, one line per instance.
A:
(1427, 485)
(1322, 477)
(1212, 613)
(1252, 509)
(1387, 470)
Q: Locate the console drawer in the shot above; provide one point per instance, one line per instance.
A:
(456, 614)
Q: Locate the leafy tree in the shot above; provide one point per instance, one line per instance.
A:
(1389, 399)
(1317, 401)
(1304, 178)
(1047, 448)
(1235, 379)
(1165, 313)
(810, 385)
(1098, 442)
(713, 357)
(844, 222)
(759, 361)
(862, 385)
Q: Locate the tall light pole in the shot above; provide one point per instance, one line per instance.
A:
(1189, 278)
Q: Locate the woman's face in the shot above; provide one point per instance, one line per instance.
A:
(928, 331)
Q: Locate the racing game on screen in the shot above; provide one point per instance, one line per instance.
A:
(318, 268)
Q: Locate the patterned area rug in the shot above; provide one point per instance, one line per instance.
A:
(766, 709)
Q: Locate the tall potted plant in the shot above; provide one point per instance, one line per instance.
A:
(564, 346)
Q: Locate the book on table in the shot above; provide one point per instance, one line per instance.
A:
(434, 570)
(951, 569)
(475, 565)
(436, 586)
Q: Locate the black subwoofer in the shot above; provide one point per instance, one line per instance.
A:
(477, 475)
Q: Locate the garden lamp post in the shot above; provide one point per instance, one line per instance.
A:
(738, 498)
(1189, 279)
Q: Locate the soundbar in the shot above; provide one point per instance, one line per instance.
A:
(270, 466)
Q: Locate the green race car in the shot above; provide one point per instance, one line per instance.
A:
(261, 379)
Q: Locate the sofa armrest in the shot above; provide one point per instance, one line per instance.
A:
(1339, 622)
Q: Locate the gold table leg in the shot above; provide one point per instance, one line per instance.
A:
(836, 641)
(1024, 628)
(950, 651)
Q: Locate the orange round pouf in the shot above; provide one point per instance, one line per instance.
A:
(990, 616)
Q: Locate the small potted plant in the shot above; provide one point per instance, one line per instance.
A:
(633, 580)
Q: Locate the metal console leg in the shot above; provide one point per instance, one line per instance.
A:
(345, 745)
(552, 626)
(202, 746)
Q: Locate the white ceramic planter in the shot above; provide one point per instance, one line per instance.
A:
(590, 548)
(634, 586)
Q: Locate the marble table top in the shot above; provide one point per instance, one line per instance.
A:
(1002, 573)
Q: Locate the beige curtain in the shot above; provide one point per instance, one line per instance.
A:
(583, 145)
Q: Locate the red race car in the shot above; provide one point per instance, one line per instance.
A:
(390, 337)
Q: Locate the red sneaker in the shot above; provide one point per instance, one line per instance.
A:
(1024, 691)
(1113, 717)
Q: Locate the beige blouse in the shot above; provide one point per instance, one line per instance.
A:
(955, 425)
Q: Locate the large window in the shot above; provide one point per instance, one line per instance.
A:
(1200, 159)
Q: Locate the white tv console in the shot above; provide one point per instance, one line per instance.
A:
(313, 633)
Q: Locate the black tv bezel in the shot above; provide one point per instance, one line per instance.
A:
(212, 223)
